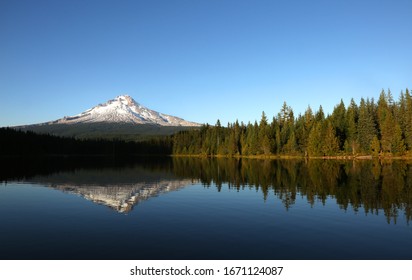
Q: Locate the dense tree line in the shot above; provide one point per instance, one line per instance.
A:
(368, 128)
(14, 142)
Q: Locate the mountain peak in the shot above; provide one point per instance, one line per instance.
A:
(125, 97)
(124, 109)
(126, 100)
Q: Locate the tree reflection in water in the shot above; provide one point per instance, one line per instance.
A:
(375, 186)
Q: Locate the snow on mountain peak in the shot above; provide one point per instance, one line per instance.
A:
(126, 99)
(124, 109)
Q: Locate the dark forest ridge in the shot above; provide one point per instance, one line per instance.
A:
(27, 143)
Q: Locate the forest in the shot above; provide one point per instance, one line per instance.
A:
(26, 143)
(370, 128)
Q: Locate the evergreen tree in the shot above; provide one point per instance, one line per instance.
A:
(386, 122)
(309, 120)
(218, 137)
(290, 147)
(301, 138)
(338, 118)
(246, 140)
(398, 144)
(315, 141)
(232, 148)
(351, 142)
(400, 112)
(278, 143)
(330, 145)
(286, 119)
(320, 115)
(252, 139)
(408, 120)
(264, 135)
(205, 134)
(366, 128)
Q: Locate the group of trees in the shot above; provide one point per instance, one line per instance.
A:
(27, 143)
(368, 128)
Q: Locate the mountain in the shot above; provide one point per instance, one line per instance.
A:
(121, 117)
(124, 109)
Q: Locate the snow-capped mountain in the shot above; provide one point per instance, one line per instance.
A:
(120, 118)
(123, 109)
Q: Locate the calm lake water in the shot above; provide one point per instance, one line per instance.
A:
(186, 208)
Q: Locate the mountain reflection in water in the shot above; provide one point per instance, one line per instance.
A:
(122, 198)
(374, 186)
(116, 186)
(200, 208)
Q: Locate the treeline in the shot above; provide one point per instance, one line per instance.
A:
(20, 143)
(382, 128)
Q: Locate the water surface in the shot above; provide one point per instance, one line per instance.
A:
(185, 208)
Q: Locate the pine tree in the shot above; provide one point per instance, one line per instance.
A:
(275, 126)
(366, 128)
(252, 139)
(315, 141)
(398, 144)
(301, 138)
(290, 147)
(218, 137)
(246, 140)
(264, 137)
(320, 115)
(408, 120)
(352, 144)
(331, 143)
(339, 122)
(232, 148)
(287, 123)
(386, 123)
(284, 115)
(205, 132)
(400, 112)
(309, 120)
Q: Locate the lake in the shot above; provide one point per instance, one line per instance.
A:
(190, 208)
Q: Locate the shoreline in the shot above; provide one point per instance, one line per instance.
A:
(297, 157)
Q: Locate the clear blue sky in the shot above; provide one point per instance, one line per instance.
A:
(199, 59)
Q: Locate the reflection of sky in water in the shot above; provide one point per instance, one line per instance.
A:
(196, 222)
(66, 215)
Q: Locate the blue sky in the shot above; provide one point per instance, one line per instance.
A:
(199, 60)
